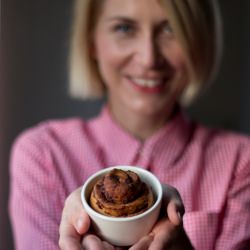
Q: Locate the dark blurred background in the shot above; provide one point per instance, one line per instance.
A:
(33, 83)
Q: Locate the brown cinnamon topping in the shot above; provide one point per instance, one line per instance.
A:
(121, 193)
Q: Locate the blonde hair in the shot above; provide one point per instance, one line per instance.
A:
(84, 78)
(196, 25)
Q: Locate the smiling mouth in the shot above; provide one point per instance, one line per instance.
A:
(148, 85)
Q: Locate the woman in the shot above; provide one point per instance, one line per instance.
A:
(149, 57)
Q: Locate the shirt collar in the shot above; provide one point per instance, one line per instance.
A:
(166, 145)
(118, 144)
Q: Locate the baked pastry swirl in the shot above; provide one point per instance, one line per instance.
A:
(120, 194)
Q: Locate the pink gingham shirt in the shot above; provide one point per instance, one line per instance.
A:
(210, 168)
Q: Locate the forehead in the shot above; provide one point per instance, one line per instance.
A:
(133, 8)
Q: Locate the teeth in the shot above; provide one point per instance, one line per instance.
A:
(147, 82)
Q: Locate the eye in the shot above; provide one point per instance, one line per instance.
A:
(124, 28)
(166, 29)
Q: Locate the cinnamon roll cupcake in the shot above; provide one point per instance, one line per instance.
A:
(120, 194)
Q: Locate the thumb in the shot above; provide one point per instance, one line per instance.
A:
(74, 223)
(173, 204)
(175, 212)
(70, 233)
(82, 223)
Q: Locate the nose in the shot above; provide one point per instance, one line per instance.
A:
(149, 53)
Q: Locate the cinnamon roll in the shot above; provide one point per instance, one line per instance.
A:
(120, 194)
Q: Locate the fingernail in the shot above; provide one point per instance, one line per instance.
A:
(152, 234)
(79, 224)
(179, 215)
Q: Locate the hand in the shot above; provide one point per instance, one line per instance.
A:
(92, 242)
(74, 224)
(168, 233)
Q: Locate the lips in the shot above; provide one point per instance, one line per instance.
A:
(148, 85)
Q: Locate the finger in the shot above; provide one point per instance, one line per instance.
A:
(107, 246)
(163, 235)
(74, 222)
(82, 222)
(70, 243)
(171, 194)
(92, 242)
(74, 214)
(68, 236)
(143, 243)
(173, 213)
(160, 242)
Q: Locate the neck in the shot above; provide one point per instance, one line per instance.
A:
(142, 126)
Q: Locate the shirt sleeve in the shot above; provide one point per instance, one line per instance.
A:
(34, 207)
(235, 231)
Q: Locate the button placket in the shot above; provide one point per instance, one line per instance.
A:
(143, 159)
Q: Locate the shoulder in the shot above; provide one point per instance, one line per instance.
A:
(40, 147)
(53, 134)
(221, 137)
(46, 130)
(224, 146)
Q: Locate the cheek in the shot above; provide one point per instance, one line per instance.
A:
(109, 54)
(177, 61)
(176, 57)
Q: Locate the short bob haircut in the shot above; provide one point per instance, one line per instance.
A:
(196, 24)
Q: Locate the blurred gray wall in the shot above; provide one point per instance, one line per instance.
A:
(33, 83)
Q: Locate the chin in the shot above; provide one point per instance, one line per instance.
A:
(148, 111)
(150, 108)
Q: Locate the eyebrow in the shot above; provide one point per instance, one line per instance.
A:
(131, 20)
(121, 18)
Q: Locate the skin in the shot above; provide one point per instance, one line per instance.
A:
(168, 233)
(134, 40)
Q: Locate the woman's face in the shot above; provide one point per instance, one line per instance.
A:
(139, 58)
